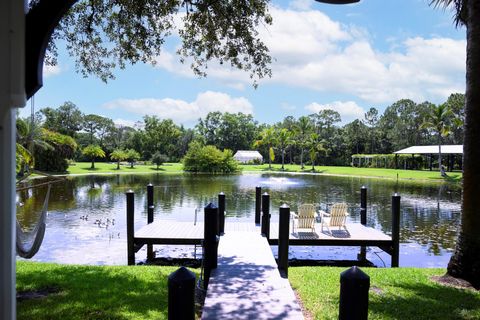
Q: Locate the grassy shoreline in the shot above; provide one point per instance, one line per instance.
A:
(83, 168)
(140, 292)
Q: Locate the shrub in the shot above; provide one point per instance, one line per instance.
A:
(56, 160)
(159, 158)
(209, 159)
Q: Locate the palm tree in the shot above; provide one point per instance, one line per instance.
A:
(29, 136)
(267, 138)
(438, 119)
(303, 128)
(314, 147)
(284, 139)
(465, 262)
(93, 151)
(118, 155)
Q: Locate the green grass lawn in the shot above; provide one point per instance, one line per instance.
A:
(105, 167)
(431, 176)
(399, 293)
(94, 292)
(140, 292)
(361, 172)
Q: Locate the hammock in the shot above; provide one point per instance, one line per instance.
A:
(28, 243)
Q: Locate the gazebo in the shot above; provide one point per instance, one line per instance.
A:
(432, 151)
(245, 156)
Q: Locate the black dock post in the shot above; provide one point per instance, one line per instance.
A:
(210, 242)
(363, 205)
(130, 228)
(221, 213)
(150, 207)
(258, 204)
(395, 230)
(181, 295)
(266, 215)
(283, 239)
(363, 219)
(354, 286)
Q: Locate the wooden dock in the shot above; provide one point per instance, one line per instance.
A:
(246, 283)
(171, 232)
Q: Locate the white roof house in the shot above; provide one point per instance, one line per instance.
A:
(245, 156)
(446, 149)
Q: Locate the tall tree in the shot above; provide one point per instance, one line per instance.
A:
(371, 120)
(159, 135)
(66, 119)
(438, 120)
(93, 151)
(225, 31)
(302, 130)
(234, 131)
(284, 140)
(465, 262)
(314, 147)
(268, 138)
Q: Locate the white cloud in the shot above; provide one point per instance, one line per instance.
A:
(313, 51)
(181, 111)
(124, 122)
(348, 110)
(300, 4)
(49, 70)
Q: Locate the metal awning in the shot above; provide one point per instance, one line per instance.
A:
(446, 149)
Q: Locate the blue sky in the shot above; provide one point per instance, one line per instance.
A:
(348, 58)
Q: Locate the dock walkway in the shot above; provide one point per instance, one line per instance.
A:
(247, 284)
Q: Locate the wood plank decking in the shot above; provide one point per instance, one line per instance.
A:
(246, 283)
(178, 232)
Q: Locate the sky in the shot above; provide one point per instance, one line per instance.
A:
(343, 57)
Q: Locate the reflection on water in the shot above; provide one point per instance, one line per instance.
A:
(86, 221)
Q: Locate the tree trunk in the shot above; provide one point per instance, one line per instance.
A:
(301, 158)
(283, 159)
(93, 164)
(465, 262)
(442, 172)
(118, 165)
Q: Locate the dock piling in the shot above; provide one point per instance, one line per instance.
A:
(363, 219)
(150, 208)
(283, 240)
(130, 227)
(354, 286)
(258, 204)
(221, 213)
(210, 241)
(265, 229)
(395, 230)
(181, 295)
(363, 205)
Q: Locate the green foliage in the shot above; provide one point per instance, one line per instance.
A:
(159, 135)
(234, 131)
(159, 158)
(66, 119)
(57, 160)
(118, 155)
(209, 159)
(104, 35)
(93, 151)
(132, 156)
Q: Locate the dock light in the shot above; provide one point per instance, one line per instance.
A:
(338, 1)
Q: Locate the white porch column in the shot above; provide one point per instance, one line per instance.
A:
(12, 95)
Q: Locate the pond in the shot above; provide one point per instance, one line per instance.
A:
(86, 220)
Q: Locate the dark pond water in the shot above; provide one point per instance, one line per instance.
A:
(86, 221)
